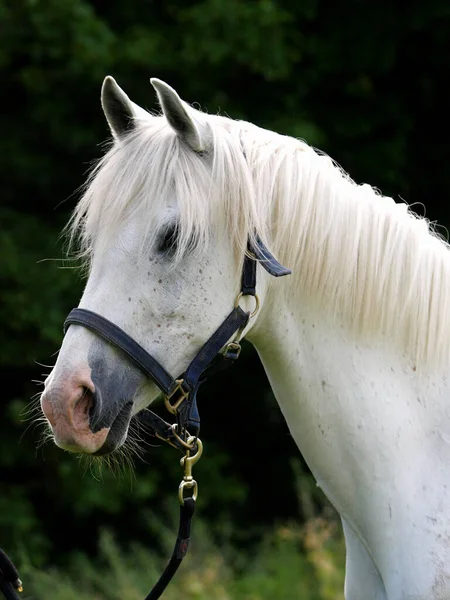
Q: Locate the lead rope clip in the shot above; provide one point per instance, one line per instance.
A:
(188, 461)
(187, 508)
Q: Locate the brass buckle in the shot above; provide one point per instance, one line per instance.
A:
(173, 408)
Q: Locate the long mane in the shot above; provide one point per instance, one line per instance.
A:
(356, 254)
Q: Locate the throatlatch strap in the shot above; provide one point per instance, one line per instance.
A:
(179, 551)
(116, 336)
(248, 285)
(187, 414)
(237, 319)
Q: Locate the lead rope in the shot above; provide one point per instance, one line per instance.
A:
(192, 443)
(187, 508)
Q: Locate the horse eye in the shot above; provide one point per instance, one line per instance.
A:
(168, 240)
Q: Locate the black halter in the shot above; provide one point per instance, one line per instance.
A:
(181, 393)
(180, 399)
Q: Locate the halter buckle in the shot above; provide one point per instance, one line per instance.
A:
(173, 408)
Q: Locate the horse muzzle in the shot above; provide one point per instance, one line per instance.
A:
(84, 418)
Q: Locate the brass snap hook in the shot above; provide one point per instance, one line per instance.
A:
(188, 462)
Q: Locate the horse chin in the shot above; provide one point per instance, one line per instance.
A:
(118, 431)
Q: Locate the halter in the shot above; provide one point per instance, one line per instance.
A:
(180, 397)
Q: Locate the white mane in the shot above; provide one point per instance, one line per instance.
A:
(358, 255)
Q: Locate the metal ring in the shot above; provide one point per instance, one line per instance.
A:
(240, 295)
(189, 444)
(189, 485)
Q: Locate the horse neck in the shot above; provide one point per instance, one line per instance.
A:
(342, 397)
(318, 367)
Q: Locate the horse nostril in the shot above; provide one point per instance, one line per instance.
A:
(84, 406)
(92, 409)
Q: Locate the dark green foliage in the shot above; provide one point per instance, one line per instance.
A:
(363, 80)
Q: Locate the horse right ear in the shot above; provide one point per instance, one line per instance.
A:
(120, 111)
(185, 121)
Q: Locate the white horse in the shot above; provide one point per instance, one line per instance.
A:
(355, 343)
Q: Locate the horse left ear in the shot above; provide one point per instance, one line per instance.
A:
(120, 111)
(182, 117)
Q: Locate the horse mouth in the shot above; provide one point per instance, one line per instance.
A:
(118, 431)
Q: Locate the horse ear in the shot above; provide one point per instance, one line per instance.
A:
(120, 111)
(182, 117)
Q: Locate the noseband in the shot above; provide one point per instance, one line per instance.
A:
(180, 397)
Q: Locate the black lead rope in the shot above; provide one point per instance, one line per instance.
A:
(179, 552)
(180, 400)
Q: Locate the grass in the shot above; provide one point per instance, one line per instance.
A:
(292, 562)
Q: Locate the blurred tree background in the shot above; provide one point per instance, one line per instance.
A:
(364, 80)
